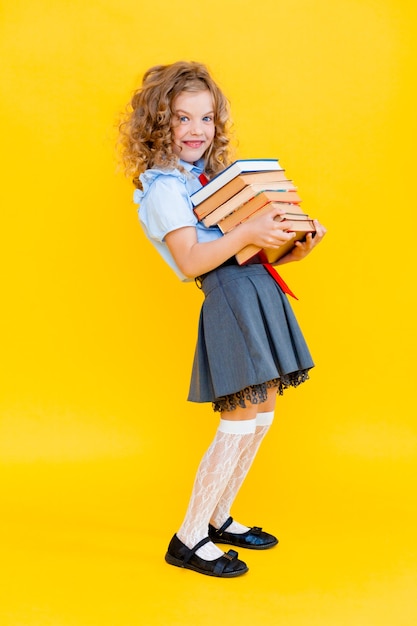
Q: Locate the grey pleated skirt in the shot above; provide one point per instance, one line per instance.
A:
(248, 338)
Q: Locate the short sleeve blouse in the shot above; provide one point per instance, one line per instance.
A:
(165, 205)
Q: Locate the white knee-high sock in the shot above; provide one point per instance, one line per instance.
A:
(222, 511)
(213, 474)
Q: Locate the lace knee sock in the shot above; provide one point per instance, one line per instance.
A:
(222, 511)
(213, 474)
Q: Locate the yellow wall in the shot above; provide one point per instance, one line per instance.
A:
(98, 336)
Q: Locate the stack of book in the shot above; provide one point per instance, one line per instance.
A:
(246, 189)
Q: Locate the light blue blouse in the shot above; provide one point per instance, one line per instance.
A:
(165, 205)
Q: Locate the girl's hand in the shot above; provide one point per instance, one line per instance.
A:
(267, 232)
(302, 248)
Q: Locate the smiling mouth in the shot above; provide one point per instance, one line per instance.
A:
(194, 144)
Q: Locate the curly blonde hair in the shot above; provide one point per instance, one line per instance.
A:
(145, 132)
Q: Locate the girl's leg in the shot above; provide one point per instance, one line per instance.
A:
(217, 466)
(264, 419)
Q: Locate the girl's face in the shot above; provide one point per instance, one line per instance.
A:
(192, 124)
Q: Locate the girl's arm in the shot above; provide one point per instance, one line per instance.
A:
(194, 258)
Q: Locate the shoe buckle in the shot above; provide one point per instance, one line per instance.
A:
(230, 555)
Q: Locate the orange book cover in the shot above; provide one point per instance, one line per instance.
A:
(235, 186)
(243, 196)
(240, 166)
(262, 198)
(237, 217)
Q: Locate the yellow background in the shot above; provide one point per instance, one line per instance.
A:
(98, 446)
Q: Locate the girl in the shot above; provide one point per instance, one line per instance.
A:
(249, 343)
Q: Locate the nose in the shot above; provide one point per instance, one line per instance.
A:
(196, 128)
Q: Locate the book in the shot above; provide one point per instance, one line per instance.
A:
(293, 211)
(254, 254)
(259, 200)
(240, 193)
(243, 196)
(234, 186)
(238, 167)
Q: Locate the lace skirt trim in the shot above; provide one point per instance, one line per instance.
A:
(256, 394)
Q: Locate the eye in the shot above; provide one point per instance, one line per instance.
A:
(207, 118)
(183, 119)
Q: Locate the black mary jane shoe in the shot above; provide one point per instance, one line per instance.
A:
(254, 538)
(226, 566)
